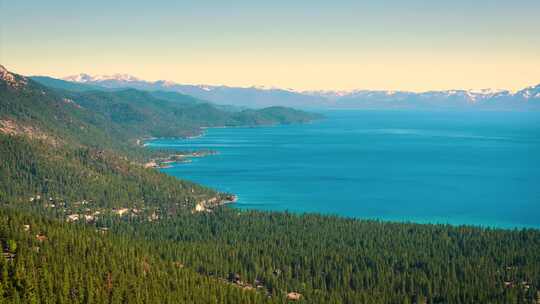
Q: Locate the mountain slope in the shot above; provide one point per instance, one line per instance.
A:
(31, 107)
(56, 148)
(152, 114)
(128, 114)
(73, 145)
(69, 263)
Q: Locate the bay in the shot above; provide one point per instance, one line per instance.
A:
(473, 168)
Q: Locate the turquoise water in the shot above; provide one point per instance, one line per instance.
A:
(458, 168)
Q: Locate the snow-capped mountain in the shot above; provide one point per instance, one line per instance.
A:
(261, 96)
(86, 78)
(255, 96)
(532, 92)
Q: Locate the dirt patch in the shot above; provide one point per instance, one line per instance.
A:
(13, 128)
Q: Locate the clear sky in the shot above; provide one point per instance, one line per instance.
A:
(385, 44)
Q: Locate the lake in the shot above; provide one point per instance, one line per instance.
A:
(474, 168)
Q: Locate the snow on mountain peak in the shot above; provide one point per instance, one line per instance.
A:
(530, 92)
(96, 78)
(470, 95)
(205, 88)
(266, 88)
(168, 83)
(82, 77)
(488, 91)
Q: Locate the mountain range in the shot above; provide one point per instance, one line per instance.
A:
(487, 99)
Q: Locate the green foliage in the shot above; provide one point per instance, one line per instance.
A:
(77, 264)
(352, 261)
(69, 174)
(114, 120)
(159, 114)
(11, 245)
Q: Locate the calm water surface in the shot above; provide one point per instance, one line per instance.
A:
(437, 167)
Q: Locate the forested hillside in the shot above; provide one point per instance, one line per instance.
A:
(83, 221)
(116, 119)
(68, 147)
(66, 175)
(254, 257)
(46, 261)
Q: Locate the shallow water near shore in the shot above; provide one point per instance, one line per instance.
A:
(480, 168)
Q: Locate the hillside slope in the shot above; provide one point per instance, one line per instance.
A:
(73, 146)
(162, 113)
(116, 119)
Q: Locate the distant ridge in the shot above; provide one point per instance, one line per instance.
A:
(256, 96)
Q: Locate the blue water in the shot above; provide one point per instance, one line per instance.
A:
(437, 167)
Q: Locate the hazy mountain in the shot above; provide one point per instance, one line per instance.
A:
(66, 85)
(163, 95)
(526, 99)
(255, 97)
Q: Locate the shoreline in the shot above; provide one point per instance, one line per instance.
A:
(201, 131)
(392, 220)
(436, 221)
(177, 158)
(202, 206)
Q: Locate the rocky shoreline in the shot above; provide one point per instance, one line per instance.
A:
(182, 157)
(206, 205)
(209, 204)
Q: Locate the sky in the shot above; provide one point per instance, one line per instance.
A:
(414, 45)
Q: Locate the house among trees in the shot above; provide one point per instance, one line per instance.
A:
(41, 237)
(8, 256)
(72, 217)
(294, 296)
(121, 211)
